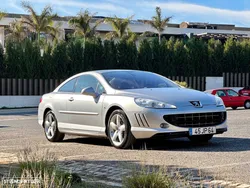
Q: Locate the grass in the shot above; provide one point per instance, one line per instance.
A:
(39, 166)
(42, 166)
(146, 179)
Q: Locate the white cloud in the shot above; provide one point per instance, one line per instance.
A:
(15, 5)
(200, 12)
(108, 7)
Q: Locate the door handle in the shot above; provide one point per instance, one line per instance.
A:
(71, 99)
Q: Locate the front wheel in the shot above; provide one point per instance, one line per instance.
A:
(200, 138)
(119, 130)
(50, 128)
(247, 105)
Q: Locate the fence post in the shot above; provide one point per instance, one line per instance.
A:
(14, 86)
(3, 87)
(41, 87)
(20, 86)
(51, 85)
(25, 87)
(199, 83)
(31, 86)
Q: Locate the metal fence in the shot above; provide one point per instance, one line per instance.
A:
(41, 86)
(27, 86)
(236, 79)
(194, 82)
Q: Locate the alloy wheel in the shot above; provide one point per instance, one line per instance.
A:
(117, 129)
(50, 126)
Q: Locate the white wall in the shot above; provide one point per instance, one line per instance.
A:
(214, 82)
(19, 101)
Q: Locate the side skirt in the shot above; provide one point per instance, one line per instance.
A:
(84, 130)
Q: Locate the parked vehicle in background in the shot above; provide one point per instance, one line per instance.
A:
(125, 105)
(231, 98)
(245, 91)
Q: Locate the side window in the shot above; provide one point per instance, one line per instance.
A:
(221, 93)
(232, 93)
(68, 87)
(85, 81)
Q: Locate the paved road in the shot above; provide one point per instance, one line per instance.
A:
(226, 157)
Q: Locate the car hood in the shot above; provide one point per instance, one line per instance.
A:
(175, 96)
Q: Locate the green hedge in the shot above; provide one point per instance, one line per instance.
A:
(173, 57)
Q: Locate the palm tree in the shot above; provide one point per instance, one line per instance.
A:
(81, 24)
(17, 31)
(120, 27)
(158, 23)
(55, 31)
(38, 23)
(2, 14)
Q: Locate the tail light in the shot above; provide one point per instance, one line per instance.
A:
(41, 99)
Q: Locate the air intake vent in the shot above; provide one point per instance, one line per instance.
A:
(141, 120)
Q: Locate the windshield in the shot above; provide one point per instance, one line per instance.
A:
(136, 80)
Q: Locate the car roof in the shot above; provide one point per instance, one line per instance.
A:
(222, 89)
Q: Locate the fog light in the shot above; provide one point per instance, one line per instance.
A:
(164, 125)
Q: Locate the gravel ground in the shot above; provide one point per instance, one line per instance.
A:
(225, 157)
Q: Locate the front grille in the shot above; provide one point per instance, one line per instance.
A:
(196, 119)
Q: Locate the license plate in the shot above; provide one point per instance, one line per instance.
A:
(202, 130)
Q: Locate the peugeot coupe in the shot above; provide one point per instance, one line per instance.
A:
(125, 105)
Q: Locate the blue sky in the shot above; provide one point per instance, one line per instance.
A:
(213, 11)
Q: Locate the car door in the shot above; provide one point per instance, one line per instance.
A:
(223, 95)
(60, 100)
(235, 99)
(85, 111)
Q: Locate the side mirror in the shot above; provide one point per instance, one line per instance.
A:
(89, 91)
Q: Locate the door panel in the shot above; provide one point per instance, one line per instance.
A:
(235, 99)
(223, 95)
(85, 110)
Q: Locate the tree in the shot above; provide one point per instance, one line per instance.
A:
(81, 24)
(120, 28)
(37, 24)
(215, 57)
(2, 14)
(158, 23)
(16, 31)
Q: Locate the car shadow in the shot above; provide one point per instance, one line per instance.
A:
(4, 126)
(217, 144)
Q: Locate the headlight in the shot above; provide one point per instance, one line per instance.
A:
(149, 103)
(219, 102)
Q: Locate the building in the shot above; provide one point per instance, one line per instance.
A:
(184, 29)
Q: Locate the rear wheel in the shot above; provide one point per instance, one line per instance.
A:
(119, 130)
(234, 108)
(201, 138)
(50, 128)
(247, 105)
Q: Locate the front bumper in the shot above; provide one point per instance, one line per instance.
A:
(154, 118)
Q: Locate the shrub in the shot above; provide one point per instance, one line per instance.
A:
(146, 179)
(40, 166)
(183, 84)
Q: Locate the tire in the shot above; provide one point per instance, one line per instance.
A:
(234, 108)
(119, 130)
(200, 138)
(50, 128)
(247, 105)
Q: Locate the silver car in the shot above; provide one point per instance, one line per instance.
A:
(125, 105)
